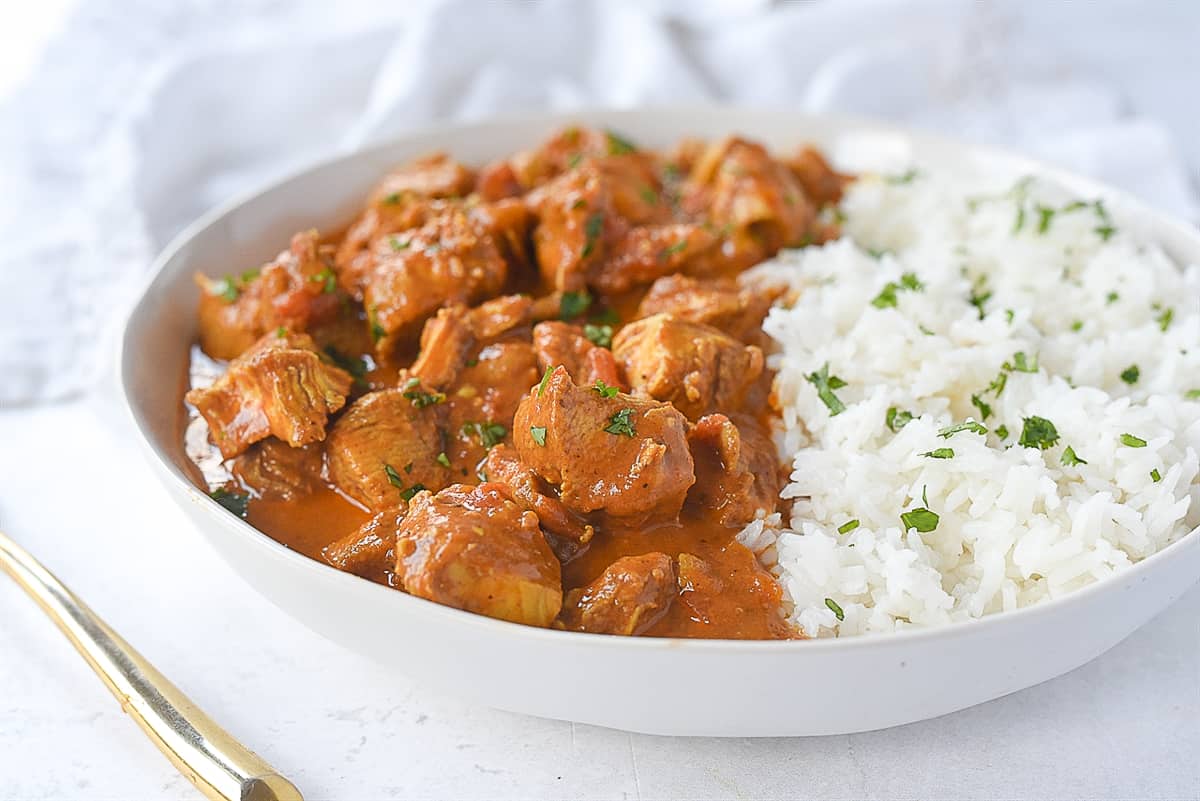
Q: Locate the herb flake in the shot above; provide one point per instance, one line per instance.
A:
(969, 425)
(1130, 374)
(940, 453)
(825, 385)
(621, 423)
(1069, 458)
(1038, 432)
(599, 335)
(539, 435)
(236, 502)
(573, 304)
(897, 419)
(848, 526)
(1131, 441)
(837, 610)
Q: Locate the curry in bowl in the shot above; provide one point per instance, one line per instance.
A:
(534, 391)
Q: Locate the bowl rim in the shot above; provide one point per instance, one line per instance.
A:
(1125, 205)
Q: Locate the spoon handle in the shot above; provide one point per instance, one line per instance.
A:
(221, 768)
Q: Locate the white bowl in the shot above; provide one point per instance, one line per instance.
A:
(662, 686)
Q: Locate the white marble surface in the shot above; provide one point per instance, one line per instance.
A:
(74, 489)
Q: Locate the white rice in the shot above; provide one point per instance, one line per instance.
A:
(1016, 526)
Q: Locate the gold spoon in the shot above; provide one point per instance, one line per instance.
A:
(220, 767)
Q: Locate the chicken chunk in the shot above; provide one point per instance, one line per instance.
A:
(478, 549)
(385, 447)
(622, 456)
(274, 470)
(719, 303)
(563, 151)
(280, 387)
(294, 292)
(450, 337)
(557, 343)
(821, 183)
(737, 474)
(576, 226)
(368, 551)
(505, 466)
(694, 366)
(738, 186)
(433, 176)
(450, 259)
(649, 252)
(629, 597)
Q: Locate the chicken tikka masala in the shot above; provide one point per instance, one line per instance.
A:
(535, 391)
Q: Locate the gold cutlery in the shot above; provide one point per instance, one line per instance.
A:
(220, 767)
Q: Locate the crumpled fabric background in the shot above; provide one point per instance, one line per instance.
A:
(143, 115)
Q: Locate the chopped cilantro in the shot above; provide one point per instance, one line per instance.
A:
(573, 304)
(443, 459)
(1130, 374)
(826, 384)
(328, 278)
(489, 433)
(978, 297)
(393, 198)
(356, 366)
(539, 434)
(592, 229)
(236, 502)
(969, 425)
(541, 387)
(1019, 223)
(905, 177)
(1192, 394)
(1155, 476)
(411, 491)
(920, 518)
(600, 335)
(1069, 457)
(1022, 364)
(225, 288)
(1111, 298)
(887, 296)
(1164, 319)
(1038, 432)
(1045, 215)
(620, 423)
(1132, 441)
(1002, 432)
(1008, 315)
(604, 389)
(618, 145)
(393, 477)
(847, 527)
(897, 419)
(648, 196)
(837, 610)
(574, 160)
(400, 244)
(378, 332)
(672, 249)
(985, 410)
(419, 397)
(940, 453)
(606, 317)
(1077, 325)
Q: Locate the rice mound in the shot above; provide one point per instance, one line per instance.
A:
(942, 287)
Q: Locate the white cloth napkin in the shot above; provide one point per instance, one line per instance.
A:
(145, 114)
